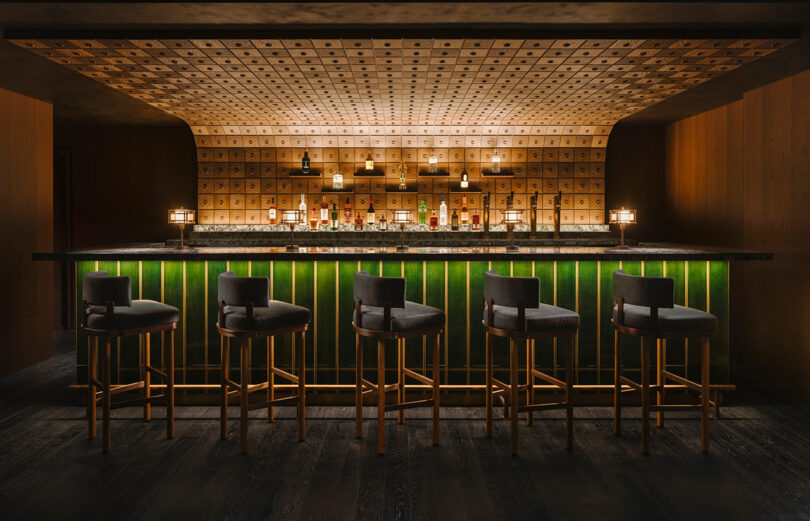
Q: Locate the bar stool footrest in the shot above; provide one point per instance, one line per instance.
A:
(136, 401)
(409, 405)
(273, 403)
(542, 406)
(156, 371)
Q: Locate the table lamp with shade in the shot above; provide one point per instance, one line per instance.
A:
(181, 217)
(510, 217)
(622, 217)
(401, 217)
(291, 218)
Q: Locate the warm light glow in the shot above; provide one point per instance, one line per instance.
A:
(369, 162)
(622, 216)
(433, 164)
(181, 216)
(496, 162)
(511, 216)
(337, 182)
(400, 217)
(292, 217)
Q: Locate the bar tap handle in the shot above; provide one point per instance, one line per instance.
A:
(557, 207)
(533, 215)
(486, 211)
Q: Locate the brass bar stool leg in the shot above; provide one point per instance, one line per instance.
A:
(489, 384)
(617, 384)
(302, 389)
(436, 377)
(271, 376)
(569, 392)
(91, 386)
(381, 396)
(147, 376)
(106, 394)
(645, 394)
(358, 387)
(401, 377)
(704, 395)
(514, 394)
(170, 390)
(529, 379)
(225, 353)
(660, 368)
(243, 393)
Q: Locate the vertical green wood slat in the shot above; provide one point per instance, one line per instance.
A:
(130, 356)
(212, 308)
(631, 345)
(413, 292)
(653, 268)
(719, 307)
(150, 284)
(111, 267)
(282, 290)
(434, 288)
(456, 328)
(326, 302)
(588, 324)
(240, 268)
(500, 345)
(477, 334)
(82, 267)
(697, 272)
(390, 269)
(522, 269)
(346, 353)
(566, 298)
(606, 304)
(676, 270)
(372, 267)
(305, 297)
(258, 358)
(502, 267)
(173, 296)
(544, 347)
(195, 322)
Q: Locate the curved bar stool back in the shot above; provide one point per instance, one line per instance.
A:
(381, 312)
(512, 309)
(108, 311)
(247, 312)
(644, 307)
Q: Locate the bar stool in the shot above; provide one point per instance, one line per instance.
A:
(512, 309)
(108, 312)
(246, 312)
(381, 312)
(643, 306)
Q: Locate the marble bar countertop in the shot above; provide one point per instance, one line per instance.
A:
(640, 252)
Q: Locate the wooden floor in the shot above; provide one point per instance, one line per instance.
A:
(759, 467)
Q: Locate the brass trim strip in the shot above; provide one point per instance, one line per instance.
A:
(599, 322)
(205, 321)
(337, 321)
(314, 322)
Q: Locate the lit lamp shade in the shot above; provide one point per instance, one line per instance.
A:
(182, 216)
(401, 217)
(291, 217)
(622, 216)
(511, 216)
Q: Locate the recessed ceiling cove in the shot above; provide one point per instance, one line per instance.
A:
(403, 87)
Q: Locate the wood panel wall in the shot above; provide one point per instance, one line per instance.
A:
(739, 175)
(26, 226)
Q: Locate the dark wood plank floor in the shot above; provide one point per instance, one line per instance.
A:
(759, 467)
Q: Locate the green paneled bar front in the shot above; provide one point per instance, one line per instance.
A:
(577, 278)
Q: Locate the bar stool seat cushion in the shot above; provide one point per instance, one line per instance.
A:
(543, 318)
(677, 318)
(276, 315)
(141, 314)
(410, 318)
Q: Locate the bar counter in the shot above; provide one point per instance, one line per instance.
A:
(451, 278)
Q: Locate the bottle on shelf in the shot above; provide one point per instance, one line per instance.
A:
(533, 214)
(465, 178)
(358, 222)
(324, 211)
(370, 214)
(403, 170)
(302, 206)
(443, 213)
(433, 163)
(434, 221)
(313, 220)
(369, 162)
(465, 212)
(334, 224)
(347, 212)
(476, 221)
(496, 162)
(422, 212)
(271, 213)
(486, 211)
(337, 181)
(510, 199)
(382, 223)
(305, 162)
(454, 221)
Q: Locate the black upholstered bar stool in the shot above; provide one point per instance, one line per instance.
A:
(246, 312)
(381, 312)
(108, 311)
(512, 309)
(643, 306)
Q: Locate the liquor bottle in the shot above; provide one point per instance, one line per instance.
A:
(510, 200)
(358, 223)
(334, 217)
(369, 162)
(271, 213)
(465, 178)
(422, 212)
(434, 221)
(476, 221)
(347, 212)
(402, 171)
(382, 224)
(533, 214)
(324, 211)
(305, 162)
(465, 212)
(486, 211)
(313, 220)
(433, 163)
(337, 181)
(302, 206)
(454, 221)
(370, 215)
(496, 162)
(443, 213)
